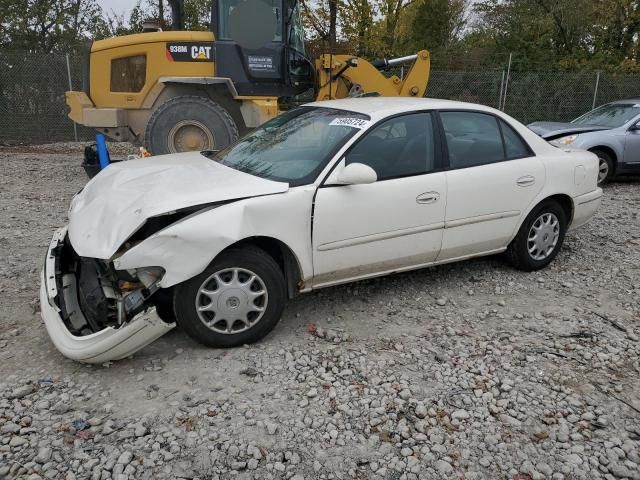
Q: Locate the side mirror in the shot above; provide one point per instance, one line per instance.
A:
(635, 127)
(356, 174)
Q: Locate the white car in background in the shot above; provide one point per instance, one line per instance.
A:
(324, 194)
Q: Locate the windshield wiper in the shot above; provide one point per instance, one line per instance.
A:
(207, 153)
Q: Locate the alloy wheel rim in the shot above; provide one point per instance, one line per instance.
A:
(603, 170)
(231, 301)
(543, 236)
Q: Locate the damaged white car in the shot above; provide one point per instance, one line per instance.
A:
(324, 194)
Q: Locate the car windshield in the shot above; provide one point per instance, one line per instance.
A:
(294, 146)
(613, 115)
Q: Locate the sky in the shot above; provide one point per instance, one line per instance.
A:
(118, 6)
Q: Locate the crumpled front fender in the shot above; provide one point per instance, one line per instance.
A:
(187, 247)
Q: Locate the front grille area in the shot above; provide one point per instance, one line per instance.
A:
(81, 283)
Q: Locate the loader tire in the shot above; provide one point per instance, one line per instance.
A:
(189, 123)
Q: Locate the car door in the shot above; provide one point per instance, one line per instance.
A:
(632, 145)
(391, 224)
(492, 178)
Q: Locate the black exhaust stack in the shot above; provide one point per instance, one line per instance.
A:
(177, 8)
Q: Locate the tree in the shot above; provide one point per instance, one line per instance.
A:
(540, 30)
(617, 36)
(46, 25)
(391, 11)
(357, 26)
(433, 24)
(322, 18)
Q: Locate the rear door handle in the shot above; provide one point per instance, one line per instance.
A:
(526, 181)
(429, 197)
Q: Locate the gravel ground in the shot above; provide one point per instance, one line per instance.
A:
(465, 371)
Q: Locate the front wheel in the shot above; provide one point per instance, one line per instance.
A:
(540, 237)
(606, 167)
(237, 300)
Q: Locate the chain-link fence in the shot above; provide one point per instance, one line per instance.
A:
(533, 96)
(33, 110)
(32, 103)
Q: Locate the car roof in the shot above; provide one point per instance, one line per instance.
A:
(380, 107)
(628, 100)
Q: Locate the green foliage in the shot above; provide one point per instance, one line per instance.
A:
(46, 25)
(65, 25)
(564, 35)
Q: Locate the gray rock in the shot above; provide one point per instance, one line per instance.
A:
(44, 455)
(460, 415)
(573, 459)
(125, 458)
(443, 467)
(10, 427)
(17, 441)
(621, 471)
(22, 391)
(271, 427)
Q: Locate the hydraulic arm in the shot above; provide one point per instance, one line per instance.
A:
(341, 76)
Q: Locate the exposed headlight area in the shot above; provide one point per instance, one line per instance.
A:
(92, 295)
(155, 224)
(563, 141)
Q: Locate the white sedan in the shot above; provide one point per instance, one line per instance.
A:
(324, 194)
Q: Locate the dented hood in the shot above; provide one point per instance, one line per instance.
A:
(551, 130)
(119, 200)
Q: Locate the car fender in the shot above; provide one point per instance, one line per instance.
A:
(185, 248)
(611, 139)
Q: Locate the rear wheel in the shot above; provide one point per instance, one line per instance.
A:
(540, 237)
(189, 123)
(606, 166)
(237, 300)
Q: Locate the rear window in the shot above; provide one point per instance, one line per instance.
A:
(472, 139)
(514, 146)
(475, 138)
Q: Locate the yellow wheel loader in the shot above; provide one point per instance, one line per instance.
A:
(175, 91)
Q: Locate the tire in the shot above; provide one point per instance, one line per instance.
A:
(228, 301)
(189, 123)
(606, 168)
(519, 250)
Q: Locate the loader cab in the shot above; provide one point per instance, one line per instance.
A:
(260, 46)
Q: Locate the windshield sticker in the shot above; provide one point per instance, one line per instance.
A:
(351, 122)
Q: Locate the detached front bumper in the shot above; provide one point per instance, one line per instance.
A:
(107, 344)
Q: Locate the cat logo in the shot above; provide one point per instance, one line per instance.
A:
(201, 52)
(190, 52)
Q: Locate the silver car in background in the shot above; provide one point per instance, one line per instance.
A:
(611, 131)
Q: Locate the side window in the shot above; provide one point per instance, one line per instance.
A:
(128, 74)
(399, 147)
(472, 139)
(514, 146)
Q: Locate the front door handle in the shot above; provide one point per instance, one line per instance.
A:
(429, 197)
(526, 181)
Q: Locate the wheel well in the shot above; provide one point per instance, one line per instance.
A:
(283, 256)
(609, 151)
(566, 203)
